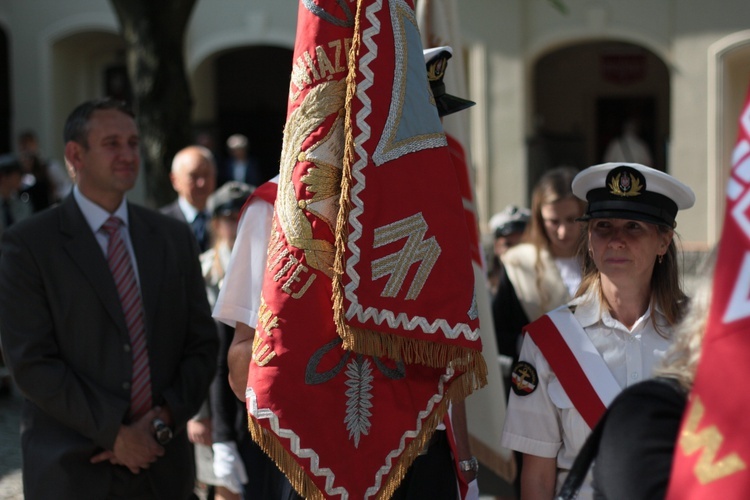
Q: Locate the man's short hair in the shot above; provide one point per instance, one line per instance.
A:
(77, 125)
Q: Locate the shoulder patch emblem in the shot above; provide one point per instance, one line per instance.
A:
(524, 379)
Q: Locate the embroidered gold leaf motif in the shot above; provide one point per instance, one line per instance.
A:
(324, 179)
(708, 441)
(321, 102)
(634, 189)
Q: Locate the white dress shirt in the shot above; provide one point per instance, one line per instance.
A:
(96, 216)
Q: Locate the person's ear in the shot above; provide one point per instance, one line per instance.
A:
(74, 155)
(667, 239)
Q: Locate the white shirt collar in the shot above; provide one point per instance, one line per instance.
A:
(95, 215)
(590, 309)
(188, 210)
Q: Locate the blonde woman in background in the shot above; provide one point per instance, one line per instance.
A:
(543, 272)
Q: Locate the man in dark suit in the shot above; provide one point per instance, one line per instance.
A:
(98, 296)
(193, 177)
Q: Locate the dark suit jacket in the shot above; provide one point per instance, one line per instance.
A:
(173, 210)
(253, 173)
(66, 343)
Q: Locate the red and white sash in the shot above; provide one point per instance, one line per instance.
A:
(584, 375)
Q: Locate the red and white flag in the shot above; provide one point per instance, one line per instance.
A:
(713, 450)
(368, 322)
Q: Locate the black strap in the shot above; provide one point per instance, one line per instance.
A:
(582, 463)
(590, 449)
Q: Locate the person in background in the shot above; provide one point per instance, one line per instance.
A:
(542, 272)
(106, 328)
(193, 177)
(240, 165)
(507, 228)
(14, 207)
(15, 204)
(628, 146)
(575, 359)
(222, 456)
(237, 307)
(46, 181)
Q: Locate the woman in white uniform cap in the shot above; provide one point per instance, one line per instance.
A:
(575, 359)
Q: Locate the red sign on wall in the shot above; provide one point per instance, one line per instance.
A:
(623, 69)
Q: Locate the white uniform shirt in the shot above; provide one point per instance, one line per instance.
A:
(545, 423)
(239, 298)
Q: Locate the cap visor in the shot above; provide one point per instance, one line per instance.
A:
(448, 104)
(623, 214)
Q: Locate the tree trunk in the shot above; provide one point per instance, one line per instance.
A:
(154, 33)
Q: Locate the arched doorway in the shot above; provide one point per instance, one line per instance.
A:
(583, 93)
(251, 91)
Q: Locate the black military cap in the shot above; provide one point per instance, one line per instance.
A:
(229, 198)
(437, 61)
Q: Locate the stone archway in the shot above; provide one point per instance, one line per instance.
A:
(582, 93)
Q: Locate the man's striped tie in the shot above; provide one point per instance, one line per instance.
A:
(120, 265)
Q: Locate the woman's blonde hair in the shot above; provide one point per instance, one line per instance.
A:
(553, 186)
(681, 360)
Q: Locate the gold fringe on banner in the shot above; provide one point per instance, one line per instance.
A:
(269, 443)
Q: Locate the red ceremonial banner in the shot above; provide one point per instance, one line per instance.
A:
(367, 326)
(713, 451)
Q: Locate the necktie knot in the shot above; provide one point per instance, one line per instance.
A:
(112, 225)
(199, 230)
(199, 223)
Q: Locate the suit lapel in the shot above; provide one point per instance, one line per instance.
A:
(81, 245)
(148, 246)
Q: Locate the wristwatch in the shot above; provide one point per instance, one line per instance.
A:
(162, 432)
(471, 464)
